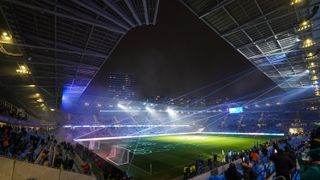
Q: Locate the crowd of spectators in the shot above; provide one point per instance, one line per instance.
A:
(291, 158)
(296, 157)
(35, 145)
(39, 146)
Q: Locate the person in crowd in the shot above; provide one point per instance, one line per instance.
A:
(5, 145)
(254, 156)
(185, 174)
(223, 158)
(210, 164)
(283, 163)
(86, 168)
(248, 172)
(232, 173)
(291, 155)
(58, 161)
(310, 169)
(193, 170)
(215, 159)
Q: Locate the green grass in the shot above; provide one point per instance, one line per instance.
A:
(168, 154)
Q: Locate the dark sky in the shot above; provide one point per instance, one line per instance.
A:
(180, 53)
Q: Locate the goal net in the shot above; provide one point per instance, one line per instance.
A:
(118, 155)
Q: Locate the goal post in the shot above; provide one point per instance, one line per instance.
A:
(119, 155)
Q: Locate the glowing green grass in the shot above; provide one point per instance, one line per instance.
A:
(168, 154)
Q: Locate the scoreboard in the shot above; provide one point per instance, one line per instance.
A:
(235, 110)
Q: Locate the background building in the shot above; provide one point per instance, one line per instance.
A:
(121, 86)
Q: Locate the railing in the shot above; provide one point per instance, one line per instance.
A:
(14, 169)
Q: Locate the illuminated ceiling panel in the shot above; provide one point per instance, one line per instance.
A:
(265, 32)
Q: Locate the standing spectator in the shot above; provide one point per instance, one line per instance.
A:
(58, 161)
(86, 168)
(254, 156)
(185, 174)
(312, 170)
(248, 172)
(210, 164)
(291, 155)
(282, 163)
(215, 159)
(223, 158)
(232, 173)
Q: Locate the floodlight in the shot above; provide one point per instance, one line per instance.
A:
(304, 25)
(120, 106)
(150, 110)
(39, 100)
(22, 69)
(308, 43)
(295, 2)
(6, 36)
(31, 85)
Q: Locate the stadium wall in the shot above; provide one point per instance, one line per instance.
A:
(11, 169)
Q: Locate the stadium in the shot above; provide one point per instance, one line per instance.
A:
(159, 90)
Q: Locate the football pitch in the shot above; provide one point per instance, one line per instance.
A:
(163, 157)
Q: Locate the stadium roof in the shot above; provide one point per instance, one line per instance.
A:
(267, 33)
(59, 46)
(54, 47)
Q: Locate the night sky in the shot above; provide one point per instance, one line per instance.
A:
(180, 53)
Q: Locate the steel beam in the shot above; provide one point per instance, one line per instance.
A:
(53, 49)
(133, 11)
(145, 9)
(29, 6)
(102, 14)
(119, 11)
(216, 7)
(156, 12)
